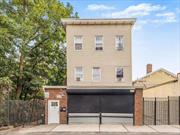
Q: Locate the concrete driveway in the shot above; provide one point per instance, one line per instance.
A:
(95, 129)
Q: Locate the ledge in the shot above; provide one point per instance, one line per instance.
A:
(111, 21)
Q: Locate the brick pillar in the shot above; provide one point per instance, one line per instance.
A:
(138, 109)
(46, 111)
(63, 103)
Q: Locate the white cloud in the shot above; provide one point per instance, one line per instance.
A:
(95, 7)
(167, 17)
(139, 24)
(139, 10)
(146, 13)
(178, 10)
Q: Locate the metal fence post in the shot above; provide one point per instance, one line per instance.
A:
(8, 109)
(155, 111)
(67, 118)
(100, 115)
(168, 111)
(100, 118)
(143, 111)
(179, 110)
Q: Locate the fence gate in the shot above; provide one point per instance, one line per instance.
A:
(161, 111)
(100, 106)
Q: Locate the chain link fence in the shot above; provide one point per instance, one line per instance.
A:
(20, 112)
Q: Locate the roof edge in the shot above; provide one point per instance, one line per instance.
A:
(161, 69)
(158, 85)
(76, 21)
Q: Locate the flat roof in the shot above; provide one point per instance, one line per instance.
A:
(105, 21)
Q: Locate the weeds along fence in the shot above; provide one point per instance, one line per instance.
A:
(161, 111)
(20, 112)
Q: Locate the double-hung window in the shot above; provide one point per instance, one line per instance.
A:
(78, 42)
(78, 74)
(119, 74)
(99, 42)
(96, 74)
(119, 43)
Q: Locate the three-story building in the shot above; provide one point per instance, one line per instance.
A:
(99, 65)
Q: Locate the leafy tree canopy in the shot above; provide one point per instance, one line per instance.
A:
(32, 50)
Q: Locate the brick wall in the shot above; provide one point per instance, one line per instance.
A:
(138, 116)
(57, 93)
(149, 68)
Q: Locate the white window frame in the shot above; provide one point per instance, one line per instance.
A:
(99, 74)
(75, 74)
(122, 79)
(116, 42)
(78, 42)
(96, 42)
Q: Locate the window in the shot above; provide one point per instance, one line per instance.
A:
(96, 75)
(99, 42)
(119, 43)
(78, 41)
(54, 103)
(119, 73)
(78, 74)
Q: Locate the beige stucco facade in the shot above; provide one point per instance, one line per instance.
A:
(168, 89)
(107, 59)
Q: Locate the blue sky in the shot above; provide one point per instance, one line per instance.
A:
(155, 36)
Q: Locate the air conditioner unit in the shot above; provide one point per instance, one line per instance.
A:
(99, 48)
(119, 79)
(119, 47)
(78, 46)
(78, 79)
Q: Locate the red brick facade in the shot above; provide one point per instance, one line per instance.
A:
(138, 107)
(57, 93)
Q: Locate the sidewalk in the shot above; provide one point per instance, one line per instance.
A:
(103, 128)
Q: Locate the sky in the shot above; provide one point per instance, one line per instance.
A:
(155, 35)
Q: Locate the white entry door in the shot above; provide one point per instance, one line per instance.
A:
(53, 111)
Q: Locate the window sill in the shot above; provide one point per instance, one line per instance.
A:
(122, 81)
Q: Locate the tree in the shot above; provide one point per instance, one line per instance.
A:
(31, 44)
(5, 87)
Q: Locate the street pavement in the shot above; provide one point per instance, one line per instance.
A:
(92, 129)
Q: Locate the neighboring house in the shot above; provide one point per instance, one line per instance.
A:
(99, 65)
(160, 83)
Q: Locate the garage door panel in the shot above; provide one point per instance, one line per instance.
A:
(101, 103)
(117, 103)
(83, 103)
